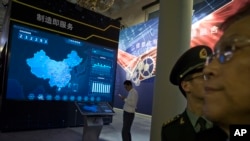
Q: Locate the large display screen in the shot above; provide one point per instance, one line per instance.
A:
(48, 66)
(207, 18)
(206, 7)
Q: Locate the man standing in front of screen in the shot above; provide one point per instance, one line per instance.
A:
(128, 109)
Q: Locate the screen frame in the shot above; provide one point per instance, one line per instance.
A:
(7, 57)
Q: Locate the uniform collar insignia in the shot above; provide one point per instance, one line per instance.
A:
(182, 121)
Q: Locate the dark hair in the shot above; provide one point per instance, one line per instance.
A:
(241, 13)
(127, 82)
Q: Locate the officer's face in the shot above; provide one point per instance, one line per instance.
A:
(227, 88)
(194, 87)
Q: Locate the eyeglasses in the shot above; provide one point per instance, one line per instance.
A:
(195, 77)
(224, 51)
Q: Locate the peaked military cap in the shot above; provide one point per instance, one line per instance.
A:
(194, 58)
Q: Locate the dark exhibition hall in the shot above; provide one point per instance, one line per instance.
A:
(101, 70)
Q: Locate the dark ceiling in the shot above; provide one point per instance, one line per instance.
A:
(115, 11)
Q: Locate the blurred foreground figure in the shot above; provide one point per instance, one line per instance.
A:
(227, 75)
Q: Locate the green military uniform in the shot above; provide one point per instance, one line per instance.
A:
(212, 134)
(178, 129)
(183, 126)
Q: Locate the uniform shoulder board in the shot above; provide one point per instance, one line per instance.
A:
(171, 120)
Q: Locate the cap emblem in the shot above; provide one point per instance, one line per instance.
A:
(203, 53)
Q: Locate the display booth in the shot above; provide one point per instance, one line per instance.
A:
(55, 54)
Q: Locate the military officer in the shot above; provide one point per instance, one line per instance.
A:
(188, 76)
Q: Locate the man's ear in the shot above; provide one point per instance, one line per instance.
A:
(185, 85)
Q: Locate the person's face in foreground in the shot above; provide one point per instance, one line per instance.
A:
(227, 74)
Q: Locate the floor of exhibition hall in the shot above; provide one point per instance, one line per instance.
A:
(140, 131)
